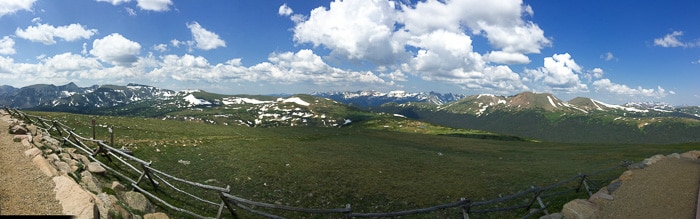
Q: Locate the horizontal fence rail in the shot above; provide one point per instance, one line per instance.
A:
(533, 206)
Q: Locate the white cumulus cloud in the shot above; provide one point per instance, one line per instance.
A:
(672, 40)
(559, 73)
(114, 2)
(285, 10)
(7, 45)
(154, 5)
(353, 30)
(606, 85)
(46, 34)
(12, 6)
(506, 57)
(116, 50)
(204, 39)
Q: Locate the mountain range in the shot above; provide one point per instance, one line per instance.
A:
(540, 116)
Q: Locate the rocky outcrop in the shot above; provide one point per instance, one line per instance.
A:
(580, 209)
(78, 187)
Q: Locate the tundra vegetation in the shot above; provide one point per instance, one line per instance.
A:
(383, 164)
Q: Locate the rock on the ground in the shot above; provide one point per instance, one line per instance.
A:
(44, 166)
(599, 196)
(580, 209)
(636, 166)
(63, 167)
(73, 198)
(19, 138)
(138, 201)
(18, 130)
(117, 187)
(553, 216)
(691, 154)
(614, 186)
(627, 175)
(674, 155)
(653, 159)
(158, 215)
(95, 167)
(90, 182)
(32, 152)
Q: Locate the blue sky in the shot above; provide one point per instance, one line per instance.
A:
(612, 51)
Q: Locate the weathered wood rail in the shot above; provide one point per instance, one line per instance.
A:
(534, 204)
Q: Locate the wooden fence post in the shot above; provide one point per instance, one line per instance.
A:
(465, 207)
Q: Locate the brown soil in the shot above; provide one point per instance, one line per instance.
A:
(24, 189)
(666, 189)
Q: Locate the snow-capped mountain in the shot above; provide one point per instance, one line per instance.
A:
(366, 99)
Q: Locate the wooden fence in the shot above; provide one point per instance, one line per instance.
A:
(532, 205)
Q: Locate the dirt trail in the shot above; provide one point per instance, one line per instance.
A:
(666, 189)
(24, 189)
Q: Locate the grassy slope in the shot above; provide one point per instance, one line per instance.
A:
(374, 170)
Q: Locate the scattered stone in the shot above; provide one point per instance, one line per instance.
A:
(32, 152)
(38, 139)
(653, 159)
(579, 208)
(185, 162)
(44, 166)
(553, 216)
(90, 182)
(52, 157)
(137, 201)
(64, 156)
(614, 186)
(62, 167)
(158, 215)
(73, 198)
(120, 211)
(31, 128)
(26, 144)
(83, 159)
(18, 130)
(627, 175)
(600, 196)
(674, 155)
(691, 154)
(19, 138)
(636, 166)
(95, 167)
(117, 187)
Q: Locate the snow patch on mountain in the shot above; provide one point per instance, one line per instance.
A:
(294, 100)
(612, 106)
(194, 101)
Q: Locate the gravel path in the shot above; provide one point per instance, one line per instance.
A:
(666, 189)
(24, 189)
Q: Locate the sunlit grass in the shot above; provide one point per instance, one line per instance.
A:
(407, 165)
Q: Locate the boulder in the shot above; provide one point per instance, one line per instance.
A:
(138, 201)
(83, 159)
(117, 187)
(18, 130)
(157, 215)
(636, 166)
(553, 216)
(614, 185)
(26, 144)
(95, 167)
(52, 157)
(44, 166)
(627, 175)
(599, 196)
(32, 152)
(74, 200)
(653, 159)
(19, 138)
(674, 155)
(580, 209)
(63, 167)
(691, 154)
(31, 129)
(89, 182)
